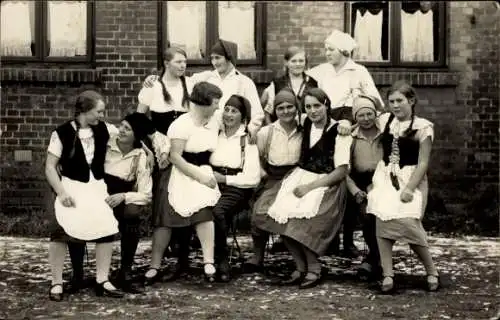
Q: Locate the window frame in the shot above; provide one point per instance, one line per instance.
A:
(212, 33)
(41, 40)
(394, 40)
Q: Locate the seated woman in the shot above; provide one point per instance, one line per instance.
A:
(237, 170)
(127, 174)
(192, 190)
(75, 171)
(279, 149)
(309, 203)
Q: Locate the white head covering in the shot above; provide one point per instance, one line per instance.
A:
(341, 41)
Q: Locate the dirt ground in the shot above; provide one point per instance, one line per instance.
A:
(468, 266)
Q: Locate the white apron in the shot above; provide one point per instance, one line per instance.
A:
(91, 218)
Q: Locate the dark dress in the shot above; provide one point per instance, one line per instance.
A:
(317, 231)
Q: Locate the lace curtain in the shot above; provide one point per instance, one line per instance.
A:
(368, 35)
(186, 23)
(67, 28)
(417, 36)
(18, 28)
(236, 24)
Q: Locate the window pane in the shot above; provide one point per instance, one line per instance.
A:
(237, 24)
(370, 29)
(67, 28)
(186, 23)
(18, 28)
(419, 31)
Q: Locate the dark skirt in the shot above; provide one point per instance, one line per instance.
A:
(163, 213)
(315, 233)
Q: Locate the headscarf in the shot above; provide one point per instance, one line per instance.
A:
(374, 105)
(227, 49)
(285, 96)
(242, 104)
(341, 40)
(141, 125)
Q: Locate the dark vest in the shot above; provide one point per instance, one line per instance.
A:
(408, 146)
(284, 82)
(319, 158)
(76, 167)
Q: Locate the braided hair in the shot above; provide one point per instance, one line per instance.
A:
(85, 101)
(410, 93)
(168, 55)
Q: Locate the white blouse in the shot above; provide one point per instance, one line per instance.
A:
(228, 154)
(153, 97)
(284, 148)
(129, 167)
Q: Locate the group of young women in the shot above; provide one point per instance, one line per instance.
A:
(209, 147)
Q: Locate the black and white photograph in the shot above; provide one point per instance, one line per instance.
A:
(249, 160)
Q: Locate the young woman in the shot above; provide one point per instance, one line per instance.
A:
(237, 170)
(168, 96)
(193, 138)
(75, 170)
(166, 99)
(340, 77)
(279, 149)
(129, 183)
(78, 148)
(223, 56)
(366, 153)
(399, 193)
(309, 204)
(294, 78)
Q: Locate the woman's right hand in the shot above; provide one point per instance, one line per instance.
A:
(207, 180)
(149, 81)
(66, 200)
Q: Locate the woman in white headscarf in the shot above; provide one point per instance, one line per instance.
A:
(340, 77)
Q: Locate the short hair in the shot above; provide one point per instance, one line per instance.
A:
(204, 93)
(86, 101)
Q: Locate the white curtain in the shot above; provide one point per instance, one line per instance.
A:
(368, 35)
(236, 24)
(417, 36)
(67, 28)
(186, 22)
(17, 18)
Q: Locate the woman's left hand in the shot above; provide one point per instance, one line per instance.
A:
(115, 199)
(406, 196)
(301, 190)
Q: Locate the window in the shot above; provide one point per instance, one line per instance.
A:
(195, 26)
(46, 30)
(397, 33)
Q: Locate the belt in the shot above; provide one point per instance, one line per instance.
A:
(226, 171)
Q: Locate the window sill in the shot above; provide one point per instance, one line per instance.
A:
(23, 74)
(416, 78)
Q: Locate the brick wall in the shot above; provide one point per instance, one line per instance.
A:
(461, 101)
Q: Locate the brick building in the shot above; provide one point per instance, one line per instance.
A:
(458, 86)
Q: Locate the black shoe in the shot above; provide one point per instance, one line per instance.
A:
(248, 267)
(74, 286)
(56, 296)
(180, 270)
(224, 271)
(312, 282)
(100, 291)
(126, 284)
(295, 278)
